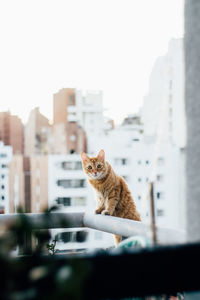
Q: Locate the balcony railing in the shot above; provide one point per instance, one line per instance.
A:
(166, 268)
(114, 225)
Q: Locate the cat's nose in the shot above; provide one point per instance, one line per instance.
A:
(95, 173)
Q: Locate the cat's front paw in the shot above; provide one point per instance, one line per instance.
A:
(98, 211)
(105, 212)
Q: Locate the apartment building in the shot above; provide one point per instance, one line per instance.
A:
(37, 134)
(5, 158)
(39, 183)
(68, 134)
(164, 107)
(89, 111)
(11, 132)
(28, 183)
(138, 159)
(19, 184)
(83, 107)
(61, 100)
(163, 117)
(77, 114)
(68, 138)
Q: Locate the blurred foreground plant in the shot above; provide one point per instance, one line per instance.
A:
(36, 275)
(52, 247)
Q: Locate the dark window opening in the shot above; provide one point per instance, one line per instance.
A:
(74, 236)
(160, 212)
(71, 183)
(65, 201)
(71, 165)
(64, 237)
(81, 236)
(160, 195)
(74, 201)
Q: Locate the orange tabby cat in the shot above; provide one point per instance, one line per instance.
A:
(113, 195)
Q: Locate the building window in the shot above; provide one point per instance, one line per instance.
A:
(160, 178)
(139, 179)
(2, 197)
(160, 212)
(71, 165)
(37, 206)
(3, 187)
(170, 99)
(71, 183)
(64, 237)
(124, 161)
(71, 201)
(121, 161)
(139, 197)
(160, 195)
(147, 162)
(71, 100)
(65, 201)
(37, 173)
(75, 236)
(160, 161)
(37, 190)
(79, 201)
(2, 176)
(4, 166)
(139, 162)
(3, 155)
(72, 138)
(81, 236)
(170, 84)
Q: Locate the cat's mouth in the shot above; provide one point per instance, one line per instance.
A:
(96, 176)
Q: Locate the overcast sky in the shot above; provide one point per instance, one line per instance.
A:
(89, 44)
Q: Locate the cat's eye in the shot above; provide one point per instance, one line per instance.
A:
(89, 167)
(98, 166)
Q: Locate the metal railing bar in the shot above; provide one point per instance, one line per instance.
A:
(47, 221)
(114, 225)
(128, 228)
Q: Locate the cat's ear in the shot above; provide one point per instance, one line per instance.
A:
(84, 157)
(101, 155)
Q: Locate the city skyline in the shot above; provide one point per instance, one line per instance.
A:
(85, 45)
(49, 171)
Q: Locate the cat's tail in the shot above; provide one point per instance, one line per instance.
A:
(117, 239)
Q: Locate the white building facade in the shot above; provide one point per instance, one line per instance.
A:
(163, 117)
(164, 104)
(136, 157)
(5, 158)
(90, 111)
